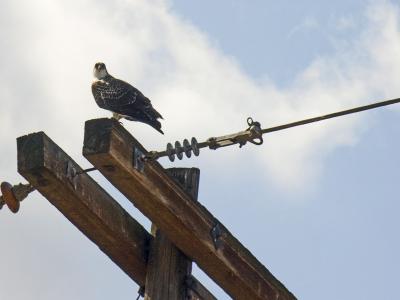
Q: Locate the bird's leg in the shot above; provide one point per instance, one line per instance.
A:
(117, 117)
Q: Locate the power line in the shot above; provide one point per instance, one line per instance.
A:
(252, 134)
(332, 115)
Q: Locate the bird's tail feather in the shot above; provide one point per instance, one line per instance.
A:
(153, 116)
(157, 126)
(157, 115)
(150, 120)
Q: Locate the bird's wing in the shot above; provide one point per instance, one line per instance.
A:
(113, 94)
(120, 97)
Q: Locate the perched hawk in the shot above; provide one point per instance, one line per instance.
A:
(122, 99)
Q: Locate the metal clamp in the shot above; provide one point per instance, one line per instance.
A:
(255, 132)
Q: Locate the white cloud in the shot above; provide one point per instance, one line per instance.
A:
(49, 48)
(200, 91)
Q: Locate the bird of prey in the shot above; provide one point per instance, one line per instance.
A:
(122, 99)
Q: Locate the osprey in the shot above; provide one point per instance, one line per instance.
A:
(122, 99)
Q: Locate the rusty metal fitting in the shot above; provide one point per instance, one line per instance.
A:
(13, 195)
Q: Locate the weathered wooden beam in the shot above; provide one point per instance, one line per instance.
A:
(87, 205)
(168, 268)
(81, 200)
(186, 223)
(197, 291)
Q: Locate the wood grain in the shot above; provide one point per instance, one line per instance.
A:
(186, 223)
(87, 205)
(168, 268)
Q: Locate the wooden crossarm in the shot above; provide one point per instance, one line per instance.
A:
(87, 205)
(114, 151)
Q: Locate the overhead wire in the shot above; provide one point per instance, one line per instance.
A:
(331, 115)
(252, 134)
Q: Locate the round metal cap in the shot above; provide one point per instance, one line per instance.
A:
(9, 197)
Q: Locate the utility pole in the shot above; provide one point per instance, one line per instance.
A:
(168, 269)
(90, 208)
(183, 230)
(188, 224)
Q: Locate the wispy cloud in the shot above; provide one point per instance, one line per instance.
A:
(308, 24)
(345, 23)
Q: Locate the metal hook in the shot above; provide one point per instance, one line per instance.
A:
(260, 141)
(256, 132)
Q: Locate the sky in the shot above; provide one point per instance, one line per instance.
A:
(317, 205)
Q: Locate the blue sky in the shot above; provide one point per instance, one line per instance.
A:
(270, 39)
(318, 205)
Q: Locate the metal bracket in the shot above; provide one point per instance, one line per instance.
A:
(216, 233)
(138, 159)
(71, 173)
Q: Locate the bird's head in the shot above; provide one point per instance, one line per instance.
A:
(100, 70)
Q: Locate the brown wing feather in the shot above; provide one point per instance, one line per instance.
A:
(120, 97)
